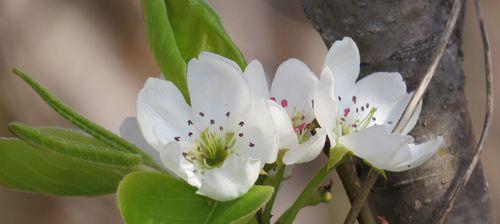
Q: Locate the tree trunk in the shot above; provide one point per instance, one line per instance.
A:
(401, 35)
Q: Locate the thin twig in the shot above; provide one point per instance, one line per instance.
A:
(410, 108)
(465, 176)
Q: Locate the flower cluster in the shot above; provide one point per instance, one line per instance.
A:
(237, 122)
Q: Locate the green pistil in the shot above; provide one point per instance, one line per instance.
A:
(211, 149)
(345, 128)
(301, 127)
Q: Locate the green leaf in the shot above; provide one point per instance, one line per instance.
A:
(65, 143)
(24, 167)
(179, 31)
(107, 137)
(336, 155)
(146, 197)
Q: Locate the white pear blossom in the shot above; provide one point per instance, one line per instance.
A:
(291, 98)
(218, 144)
(361, 115)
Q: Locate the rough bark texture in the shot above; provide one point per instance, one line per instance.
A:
(400, 35)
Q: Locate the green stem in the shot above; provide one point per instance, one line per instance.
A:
(266, 216)
(303, 199)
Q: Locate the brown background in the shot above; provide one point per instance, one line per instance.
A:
(93, 55)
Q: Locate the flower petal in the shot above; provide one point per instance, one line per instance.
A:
(287, 136)
(260, 137)
(375, 144)
(130, 131)
(293, 87)
(257, 79)
(397, 112)
(162, 113)
(218, 91)
(343, 60)
(307, 151)
(172, 158)
(325, 104)
(382, 90)
(230, 181)
(419, 154)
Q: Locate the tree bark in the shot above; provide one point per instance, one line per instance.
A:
(401, 35)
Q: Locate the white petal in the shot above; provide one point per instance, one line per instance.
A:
(287, 136)
(230, 181)
(381, 90)
(375, 144)
(343, 60)
(162, 113)
(325, 104)
(260, 137)
(257, 79)
(397, 111)
(419, 154)
(295, 83)
(130, 131)
(217, 86)
(307, 151)
(172, 158)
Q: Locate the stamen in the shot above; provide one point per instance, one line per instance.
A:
(177, 138)
(374, 119)
(284, 103)
(241, 123)
(251, 145)
(201, 114)
(190, 134)
(190, 122)
(367, 105)
(354, 99)
(357, 110)
(227, 114)
(346, 112)
(340, 99)
(212, 121)
(273, 98)
(184, 154)
(221, 128)
(362, 108)
(240, 134)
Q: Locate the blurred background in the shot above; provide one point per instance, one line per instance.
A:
(93, 55)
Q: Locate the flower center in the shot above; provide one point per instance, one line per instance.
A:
(211, 149)
(348, 124)
(302, 128)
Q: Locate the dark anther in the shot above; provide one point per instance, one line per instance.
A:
(177, 138)
(201, 114)
(241, 123)
(212, 121)
(240, 134)
(190, 122)
(251, 144)
(227, 114)
(190, 134)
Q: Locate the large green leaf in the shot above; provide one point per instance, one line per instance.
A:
(107, 137)
(180, 30)
(147, 197)
(71, 144)
(24, 167)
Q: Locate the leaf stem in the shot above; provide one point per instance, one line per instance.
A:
(302, 200)
(266, 216)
